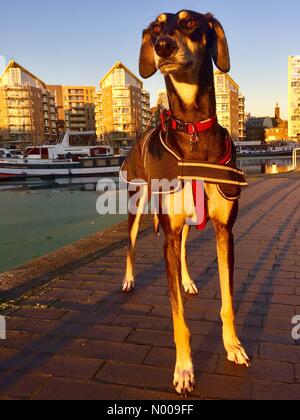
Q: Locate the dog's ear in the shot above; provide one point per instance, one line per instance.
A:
(218, 45)
(147, 62)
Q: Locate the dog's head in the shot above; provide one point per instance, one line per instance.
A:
(177, 43)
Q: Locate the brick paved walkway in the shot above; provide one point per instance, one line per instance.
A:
(78, 337)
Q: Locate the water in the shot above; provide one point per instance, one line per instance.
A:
(260, 166)
(36, 221)
(41, 216)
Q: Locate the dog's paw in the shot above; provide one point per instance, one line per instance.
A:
(184, 381)
(128, 286)
(237, 354)
(190, 287)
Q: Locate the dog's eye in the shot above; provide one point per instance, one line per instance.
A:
(191, 24)
(156, 29)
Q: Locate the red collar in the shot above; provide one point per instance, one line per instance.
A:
(188, 128)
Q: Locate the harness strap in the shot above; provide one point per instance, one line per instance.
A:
(215, 174)
(200, 207)
(228, 154)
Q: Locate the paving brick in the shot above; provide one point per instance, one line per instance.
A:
(54, 345)
(278, 323)
(288, 353)
(76, 306)
(262, 309)
(94, 318)
(136, 375)
(260, 369)
(66, 284)
(138, 394)
(204, 304)
(46, 314)
(297, 372)
(72, 390)
(88, 270)
(139, 322)
(68, 295)
(123, 352)
(128, 309)
(101, 332)
(153, 338)
(65, 366)
(275, 391)
(153, 300)
(267, 335)
(151, 290)
(271, 290)
(39, 326)
(286, 300)
(223, 387)
(14, 324)
(17, 385)
(99, 286)
(14, 360)
(14, 339)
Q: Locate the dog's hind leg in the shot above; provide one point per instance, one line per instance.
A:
(223, 217)
(188, 284)
(184, 380)
(134, 222)
(235, 350)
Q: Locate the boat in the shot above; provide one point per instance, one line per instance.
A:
(75, 155)
(257, 149)
(10, 153)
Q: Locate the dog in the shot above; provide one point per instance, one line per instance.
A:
(183, 47)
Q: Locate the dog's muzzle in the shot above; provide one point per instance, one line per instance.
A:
(165, 47)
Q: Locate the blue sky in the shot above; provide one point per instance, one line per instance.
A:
(76, 41)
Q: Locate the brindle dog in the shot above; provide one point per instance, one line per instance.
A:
(182, 46)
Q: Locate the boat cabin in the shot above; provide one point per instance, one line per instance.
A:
(71, 146)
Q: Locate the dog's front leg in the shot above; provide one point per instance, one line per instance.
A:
(134, 222)
(184, 379)
(188, 284)
(225, 245)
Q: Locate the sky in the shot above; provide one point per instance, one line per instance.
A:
(77, 41)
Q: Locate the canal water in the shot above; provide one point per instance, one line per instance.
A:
(35, 221)
(41, 217)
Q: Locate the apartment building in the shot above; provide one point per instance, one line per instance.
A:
(75, 107)
(227, 97)
(242, 117)
(146, 113)
(27, 109)
(122, 106)
(294, 96)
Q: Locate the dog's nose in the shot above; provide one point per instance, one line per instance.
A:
(165, 47)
